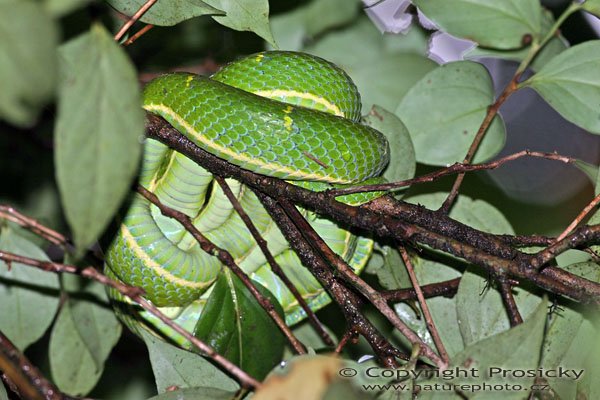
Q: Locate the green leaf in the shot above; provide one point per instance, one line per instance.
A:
(570, 83)
(428, 271)
(293, 29)
(60, 8)
(570, 335)
(476, 213)
(397, 68)
(443, 310)
(176, 367)
(592, 6)
(309, 337)
(590, 170)
(237, 327)
(83, 336)
(491, 23)
(342, 391)
(512, 350)
(589, 387)
(555, 46)
(392, 275)
(28, 295)
(442, 128)
(402, 154)
(245, 15)
(27, 60)
(196, 393)
(99, 130)
(481, 312)
(3, 394)
(166, 13)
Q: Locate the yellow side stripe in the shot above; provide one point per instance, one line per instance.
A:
(156, 267)
(303, 95)
(291, 172)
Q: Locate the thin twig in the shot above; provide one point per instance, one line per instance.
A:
(487, 121)
(29, 382)
(138, 14)
(135, 294)
(138, 34)
(582, 236)
(349, 335)
(514, 316)
(452, 169)
(226, 258)
(364, 288)
(579, 218)
(11, 214)
(510, 88)
(426, 313)
(262, 244)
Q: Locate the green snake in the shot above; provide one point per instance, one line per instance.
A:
(288, 115)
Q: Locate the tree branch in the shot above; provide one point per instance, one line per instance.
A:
(406, 223)
(227, 260)
(346, 299)
(28, 381)
(262, 244)
(136, 295)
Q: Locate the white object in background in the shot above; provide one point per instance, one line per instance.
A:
(389, 15)
(365, 358)
(445, 48)
(593, 21)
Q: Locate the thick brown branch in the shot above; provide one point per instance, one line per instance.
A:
(346, 299)
(344, 270)
(27, 379)
(400, 221)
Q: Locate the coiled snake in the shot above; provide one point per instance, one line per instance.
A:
(284, 114)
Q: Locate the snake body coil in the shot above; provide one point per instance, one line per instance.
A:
(288, 115)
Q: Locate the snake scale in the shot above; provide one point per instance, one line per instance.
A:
(288, 115)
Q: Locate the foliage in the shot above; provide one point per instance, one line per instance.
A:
(54, 55)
